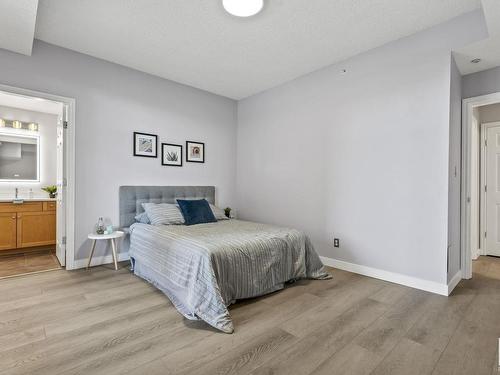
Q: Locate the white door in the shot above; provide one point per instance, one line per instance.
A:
(492, 188)
(61, 188)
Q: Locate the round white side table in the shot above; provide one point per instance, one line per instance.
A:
(111, 237)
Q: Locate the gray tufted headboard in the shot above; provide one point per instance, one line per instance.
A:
(131, 198)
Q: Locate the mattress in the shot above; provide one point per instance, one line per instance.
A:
(204, 268)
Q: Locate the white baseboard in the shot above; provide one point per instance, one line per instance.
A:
(97, 261)
(454, 281)
(413, 282)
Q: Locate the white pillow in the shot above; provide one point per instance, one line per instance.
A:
(218, 213)
(163, 213)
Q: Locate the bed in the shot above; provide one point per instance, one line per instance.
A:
(205, 268)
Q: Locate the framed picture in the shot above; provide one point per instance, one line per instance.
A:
(145, 145)
(171, 154)
(195, 152)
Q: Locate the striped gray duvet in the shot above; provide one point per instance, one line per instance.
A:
(204, 268)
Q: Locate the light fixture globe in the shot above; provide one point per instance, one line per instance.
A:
(243, 8)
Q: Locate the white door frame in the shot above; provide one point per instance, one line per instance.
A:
(70, 164)
(468, 106)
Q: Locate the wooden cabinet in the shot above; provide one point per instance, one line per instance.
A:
(8, 230)
(36, 229)
(49, 206)
(28, 224)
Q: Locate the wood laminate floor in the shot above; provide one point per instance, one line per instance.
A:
(107, 322)
(29, 262)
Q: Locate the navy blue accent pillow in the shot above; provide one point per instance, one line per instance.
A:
(196, 211)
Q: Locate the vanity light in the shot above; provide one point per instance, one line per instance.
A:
(19, 125)
(243, 8)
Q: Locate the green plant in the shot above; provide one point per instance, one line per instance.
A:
(227, 211)
(52, 189)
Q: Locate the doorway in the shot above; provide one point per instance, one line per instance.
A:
(490, 179)
(480, 180)
(36, 181)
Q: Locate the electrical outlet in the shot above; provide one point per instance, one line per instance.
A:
(336, 242)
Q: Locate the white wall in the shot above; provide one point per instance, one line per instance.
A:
(362, 156)
(489, 113)
(113, 101)
(454, 171)
(48, 136)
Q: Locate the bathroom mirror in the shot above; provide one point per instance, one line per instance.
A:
(19, 157)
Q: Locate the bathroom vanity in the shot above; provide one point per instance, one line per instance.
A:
(27, 223)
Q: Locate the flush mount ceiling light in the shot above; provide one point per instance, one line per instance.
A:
(243, 8)
(475, 61)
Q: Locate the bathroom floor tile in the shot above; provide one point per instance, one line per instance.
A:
(19, 264)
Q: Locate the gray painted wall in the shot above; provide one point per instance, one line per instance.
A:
(454, 171)
(48, 136)
(481, 83)
(113, 101)
(318, 153)
(362, 156)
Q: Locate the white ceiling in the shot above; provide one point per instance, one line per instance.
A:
(197, 43)
(17, 25)
(30, 104)
(492, 14)
(487, 50)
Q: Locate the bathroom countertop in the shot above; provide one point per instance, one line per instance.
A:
(10, 200)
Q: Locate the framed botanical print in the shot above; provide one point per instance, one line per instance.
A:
(195, 152)
(145, 145)
(171, 154)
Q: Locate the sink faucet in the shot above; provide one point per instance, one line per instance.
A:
(17, 192)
